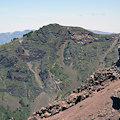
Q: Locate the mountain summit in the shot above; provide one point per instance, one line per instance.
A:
(47, 64)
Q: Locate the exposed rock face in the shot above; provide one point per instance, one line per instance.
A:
(98, 81)
(116, 99)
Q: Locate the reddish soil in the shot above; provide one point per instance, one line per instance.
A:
(97, 107)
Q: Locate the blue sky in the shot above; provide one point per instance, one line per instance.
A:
(17, 15)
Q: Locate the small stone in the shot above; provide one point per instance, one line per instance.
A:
(80, 106)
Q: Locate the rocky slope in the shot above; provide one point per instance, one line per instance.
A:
(95, 85)
(45, 65)
(98, 107)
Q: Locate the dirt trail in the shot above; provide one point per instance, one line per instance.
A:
(3, 81)
(20, 40)
(69, 70)
(105, 54)
(26, 51)
(62, 51)
(111, 47)
(35, 73)
(30, 66)
(63, 47)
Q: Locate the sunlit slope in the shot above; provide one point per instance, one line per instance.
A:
(47, 64)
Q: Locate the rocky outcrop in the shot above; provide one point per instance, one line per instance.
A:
(96, 82)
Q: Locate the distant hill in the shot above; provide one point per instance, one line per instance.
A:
(100, 32)
(7, 37)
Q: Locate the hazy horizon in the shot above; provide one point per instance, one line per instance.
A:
(101, 15)
(95, 31)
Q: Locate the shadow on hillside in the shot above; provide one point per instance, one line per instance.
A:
(118, 63)
(116, 103)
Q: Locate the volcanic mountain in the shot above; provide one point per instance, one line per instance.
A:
(47, 64)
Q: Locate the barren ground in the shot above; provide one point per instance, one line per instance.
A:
(97, 107)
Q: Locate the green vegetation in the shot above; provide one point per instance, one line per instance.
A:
(28, 34)
(14, 39)
(6, 114)
(60, 57)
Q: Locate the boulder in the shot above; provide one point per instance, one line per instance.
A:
(116, 99)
